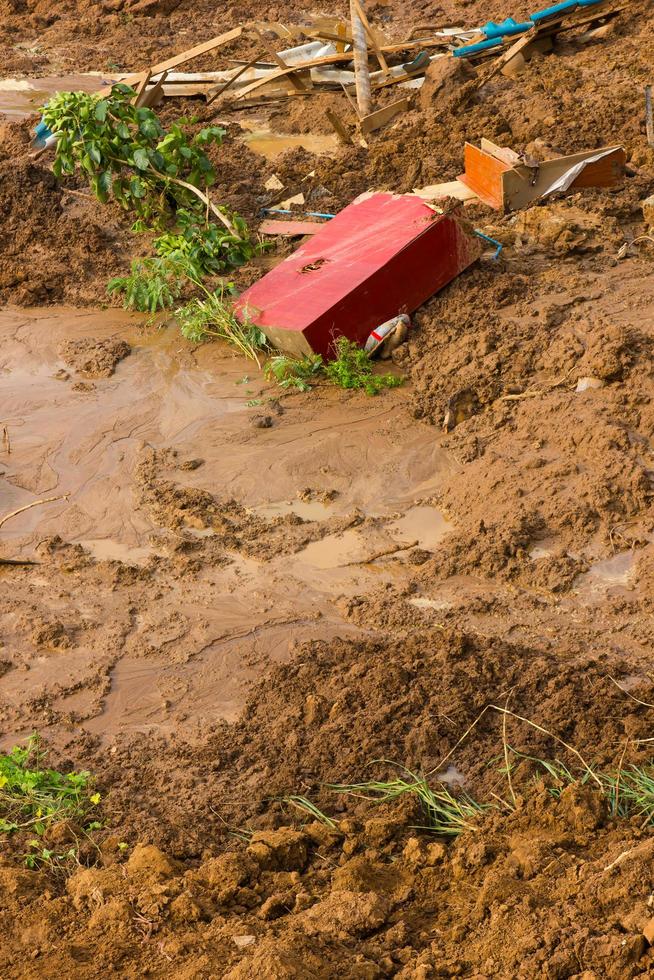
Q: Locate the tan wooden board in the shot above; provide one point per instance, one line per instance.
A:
(373, 122)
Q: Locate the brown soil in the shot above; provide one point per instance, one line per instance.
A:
(246, 595)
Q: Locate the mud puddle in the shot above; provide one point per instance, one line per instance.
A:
(117, 641)
(270, 145)
(22, 97)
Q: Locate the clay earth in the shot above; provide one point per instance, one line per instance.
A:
(241, 594)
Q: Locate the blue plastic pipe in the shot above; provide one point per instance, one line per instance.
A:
(507, 28)
(558, 8)
(469, 49)
(492, 241)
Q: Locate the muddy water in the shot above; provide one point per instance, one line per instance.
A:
(261, 139)
(21, 97)
(167, 648)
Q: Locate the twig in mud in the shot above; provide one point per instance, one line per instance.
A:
(88, 197)
(617, 781)
(381, 554)
(645, 704)
(534, 392)
(6, 441)
(506, 756)
(18, 561)
(527, 721)
(35, 503)
(620, 858)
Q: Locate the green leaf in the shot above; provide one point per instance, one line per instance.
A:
(136, 187)
(141, 159)
(101, 110)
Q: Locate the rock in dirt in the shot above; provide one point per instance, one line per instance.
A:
(344, 914)
(149, 860)
(444, 81)
(262, 421)
(562, 228)
(94, 358)
(279, 850)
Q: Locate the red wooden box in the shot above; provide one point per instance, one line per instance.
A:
(382, 255)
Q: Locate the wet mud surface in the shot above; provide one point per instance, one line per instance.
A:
(219, 616)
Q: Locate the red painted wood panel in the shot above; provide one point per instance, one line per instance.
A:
(382, 255)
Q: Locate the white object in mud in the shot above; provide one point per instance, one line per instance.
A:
(397, 329)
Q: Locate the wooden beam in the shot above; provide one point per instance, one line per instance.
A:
(361, 70)
(339, 127)
(290, 229)
(383, 64)
(369, 124)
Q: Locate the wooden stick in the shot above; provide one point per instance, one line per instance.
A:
(361, 71)
(141, 87)
(214, 93)
(295, 81)
(339, 126)
(35, 503)
(649, 118)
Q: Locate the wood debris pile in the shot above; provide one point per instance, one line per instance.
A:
(359, 60)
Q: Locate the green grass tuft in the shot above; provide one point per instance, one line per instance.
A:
(444, 814)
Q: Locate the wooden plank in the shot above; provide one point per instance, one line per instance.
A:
(483, 175)
(182, 57)
(290, 229)
(504, 153)
(450, 188)
(141, 87)
(218, 90)
(369, 124)
(339, 127)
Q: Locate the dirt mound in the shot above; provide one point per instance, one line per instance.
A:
(367, 895)
(55, 248)
(92, 358)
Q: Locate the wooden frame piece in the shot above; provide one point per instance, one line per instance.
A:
(375, 121)
(339, 127)
(497, 177)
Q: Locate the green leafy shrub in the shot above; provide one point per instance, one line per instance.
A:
(128, 155)
(152, 283)
(352, 369)
(32, 796)
(163, 177)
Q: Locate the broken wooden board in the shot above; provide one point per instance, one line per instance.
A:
(183, 57)
(450, 188)
(290, 229)
(339, 127)
(375, 121)
(497, 177)
(483, 175)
